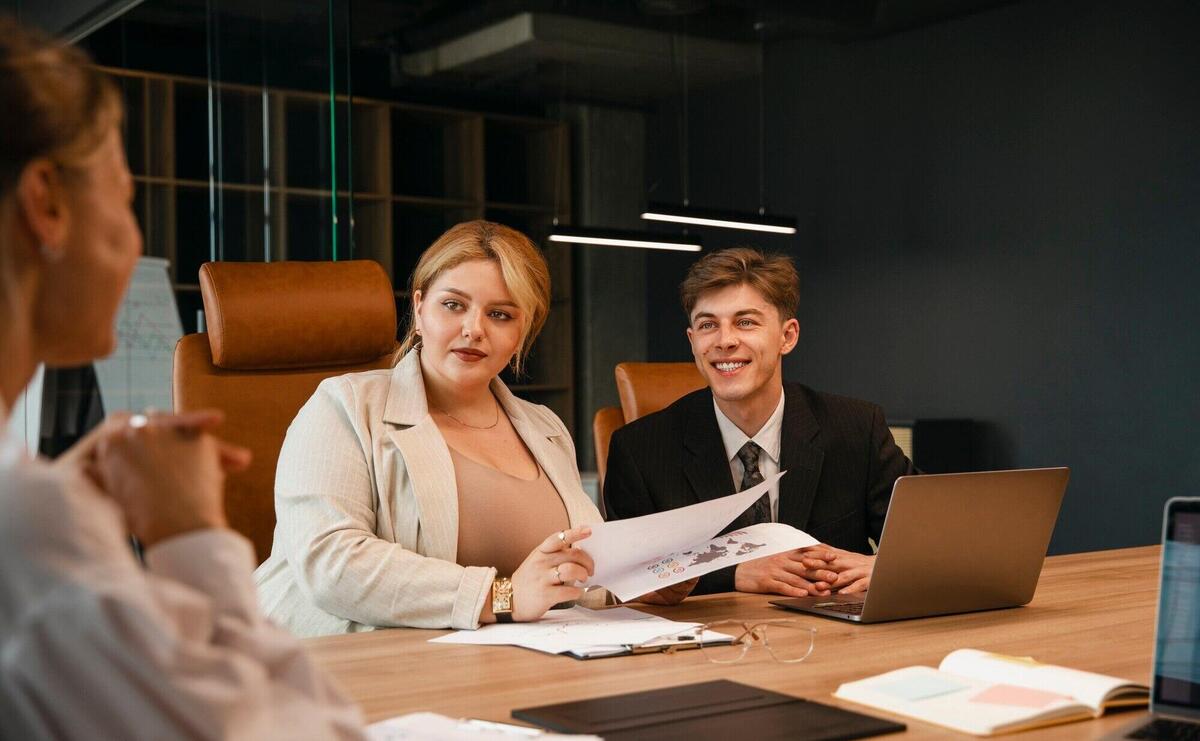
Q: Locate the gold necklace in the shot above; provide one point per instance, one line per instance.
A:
(475, 427)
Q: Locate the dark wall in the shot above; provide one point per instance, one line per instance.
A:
(1000, 219)
(68, 18)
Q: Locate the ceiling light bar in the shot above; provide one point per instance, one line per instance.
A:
(722, 219)
(620, 238)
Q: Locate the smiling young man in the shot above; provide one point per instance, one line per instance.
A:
(748, 424)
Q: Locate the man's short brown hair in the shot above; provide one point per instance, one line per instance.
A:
(774, 276)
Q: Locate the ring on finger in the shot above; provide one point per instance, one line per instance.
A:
(562, 538)
(142, 418)
(558, 576)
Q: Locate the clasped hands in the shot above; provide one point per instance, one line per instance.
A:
(165, 471)
(815, 571)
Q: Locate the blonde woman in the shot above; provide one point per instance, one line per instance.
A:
(428, 495)
(94, 644)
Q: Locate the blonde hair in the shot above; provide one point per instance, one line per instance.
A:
(521, 264)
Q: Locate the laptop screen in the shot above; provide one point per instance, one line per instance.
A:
(1177, 649)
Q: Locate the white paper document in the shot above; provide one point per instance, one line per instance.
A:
(577, 630)
(434, 727)
(756, 541)
(642, 554)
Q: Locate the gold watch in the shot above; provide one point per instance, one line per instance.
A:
(502, 599)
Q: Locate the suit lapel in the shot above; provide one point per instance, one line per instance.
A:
(431, 475)
(801, 457)
(705, 465)
(428, 466)
(431, 470)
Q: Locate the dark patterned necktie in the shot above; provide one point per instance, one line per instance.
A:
(751, 476)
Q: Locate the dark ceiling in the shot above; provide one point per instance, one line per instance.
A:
(516, 52)
(415, 24)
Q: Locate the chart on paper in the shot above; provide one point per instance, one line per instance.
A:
(718, 551)
(730, 549)
(138, 374)
(622, 546)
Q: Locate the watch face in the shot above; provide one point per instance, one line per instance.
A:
(501, 595)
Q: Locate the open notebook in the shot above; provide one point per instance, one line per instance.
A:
(986, 694)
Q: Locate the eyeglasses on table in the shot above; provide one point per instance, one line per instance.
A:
(727, 641)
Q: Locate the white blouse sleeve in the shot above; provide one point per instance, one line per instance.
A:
(93, 645)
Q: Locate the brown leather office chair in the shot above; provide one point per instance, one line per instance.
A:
(606, 421)
(644, 388)
(275, 331)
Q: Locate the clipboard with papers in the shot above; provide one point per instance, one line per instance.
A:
(663, 644)
(582, 633)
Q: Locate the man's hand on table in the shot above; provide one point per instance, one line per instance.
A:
(784, 573)
(846, 572)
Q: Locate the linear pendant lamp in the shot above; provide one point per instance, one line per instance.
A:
(622, 238)
(760, 222)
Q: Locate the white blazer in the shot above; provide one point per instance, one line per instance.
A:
(367, 508)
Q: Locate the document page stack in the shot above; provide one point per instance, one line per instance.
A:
(577, 630)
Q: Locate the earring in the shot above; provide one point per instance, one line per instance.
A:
(50, 253)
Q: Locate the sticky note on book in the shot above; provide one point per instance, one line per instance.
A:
(1021, 697)
(921, 687)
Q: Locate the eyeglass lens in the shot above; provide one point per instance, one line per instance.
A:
(787, 641)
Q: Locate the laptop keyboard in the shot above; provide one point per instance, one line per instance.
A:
(1168, 730)
(846, 608)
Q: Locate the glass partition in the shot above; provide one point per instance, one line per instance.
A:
(248, 141)
(237, 135)
(235, 130)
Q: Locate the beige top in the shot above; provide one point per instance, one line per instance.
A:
(502, 518)
(94, 645)
(367, 508)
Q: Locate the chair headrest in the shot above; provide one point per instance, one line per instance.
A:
(297, 314)
(645, 388)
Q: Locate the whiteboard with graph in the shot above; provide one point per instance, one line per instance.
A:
(137, 375)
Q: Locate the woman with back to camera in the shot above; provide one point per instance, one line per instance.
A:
(428, 495)
(92, 643)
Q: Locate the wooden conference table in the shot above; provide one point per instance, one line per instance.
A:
(1092, 611)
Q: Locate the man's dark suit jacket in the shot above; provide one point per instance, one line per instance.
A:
(839, 456)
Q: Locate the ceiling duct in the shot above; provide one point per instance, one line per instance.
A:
(591, 59)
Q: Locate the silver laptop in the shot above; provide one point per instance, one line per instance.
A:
(955, 542)
(1175, 689)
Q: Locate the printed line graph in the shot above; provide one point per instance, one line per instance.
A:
(138, 374)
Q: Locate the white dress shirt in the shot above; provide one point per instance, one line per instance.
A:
(767, 438)
(94, 645)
